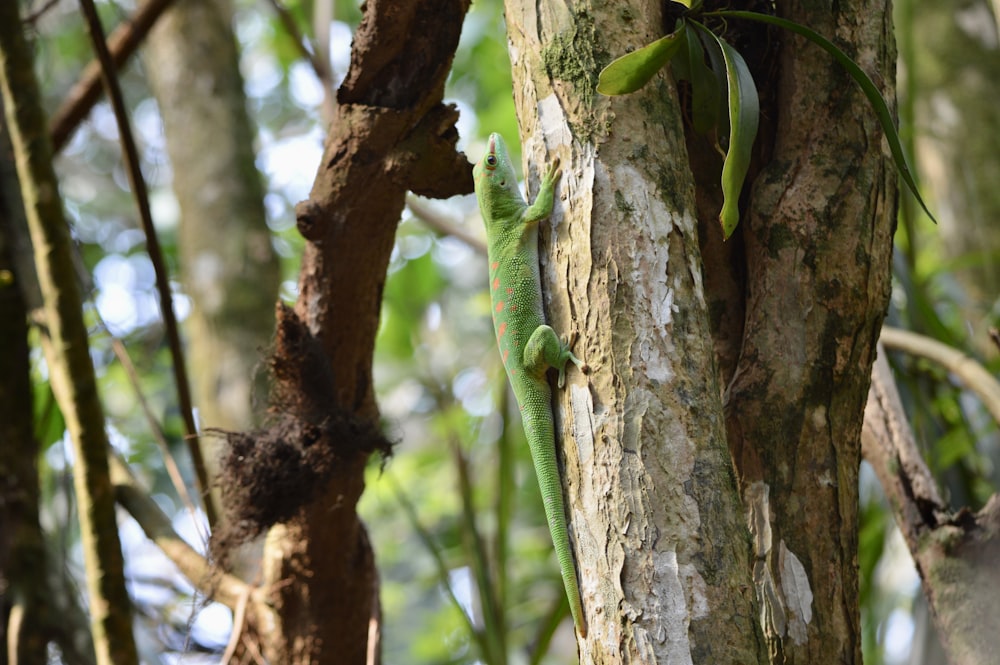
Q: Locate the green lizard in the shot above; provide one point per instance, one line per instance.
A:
(528, 346)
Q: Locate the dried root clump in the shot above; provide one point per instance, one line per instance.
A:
(267, 475)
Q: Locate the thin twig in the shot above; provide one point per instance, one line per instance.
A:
(973, 375)
(84, 95)
(222, 587)
(154, 427)
(437, 222)
(40, 12)
(312, 54)
(239, 619)
(130, 155)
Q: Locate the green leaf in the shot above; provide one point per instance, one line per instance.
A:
(705, 91)
(744, 114)
(867, 86)
(634, 70)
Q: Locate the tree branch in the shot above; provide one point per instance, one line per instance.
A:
(955, 552)
(222, 587)
(973, 375)
(84, 95)
(435, 221)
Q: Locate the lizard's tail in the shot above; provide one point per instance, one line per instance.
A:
(543, 453)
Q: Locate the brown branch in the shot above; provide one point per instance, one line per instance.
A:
(84, 95)
(130, 155)
(955, 552)
(392, 133)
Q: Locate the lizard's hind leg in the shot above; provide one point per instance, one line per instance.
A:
(544, 349)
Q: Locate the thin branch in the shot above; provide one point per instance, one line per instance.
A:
(84, 95)
(317, 57)
(239, 619)
(40, 12)
(437, 222)
(222, 587)
(161, 439)
(973, 375)
(130, 155)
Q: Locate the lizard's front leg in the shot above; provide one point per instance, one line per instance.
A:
(542, 207)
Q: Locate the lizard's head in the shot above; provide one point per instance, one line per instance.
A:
(494, 174)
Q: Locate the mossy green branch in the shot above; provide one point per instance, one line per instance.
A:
(65, 343)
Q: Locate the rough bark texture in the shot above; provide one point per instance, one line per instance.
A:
(818, 248)
(65, 344)
(391, 133)
(662, 546)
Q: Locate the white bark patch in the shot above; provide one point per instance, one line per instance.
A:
(555, 134)
(759, 518)
(675, 619)
(646, 275)
(773, 618)
(798, 594)
(583, 423)
(697, 591)
(650, 281)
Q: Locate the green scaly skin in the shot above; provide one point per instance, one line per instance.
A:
(528, 346)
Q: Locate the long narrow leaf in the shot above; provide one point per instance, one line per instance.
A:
(634, 70)
(744, 114)
(438, 556)
(704, 86)
(867, 86)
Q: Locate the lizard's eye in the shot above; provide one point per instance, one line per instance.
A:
(491, 160)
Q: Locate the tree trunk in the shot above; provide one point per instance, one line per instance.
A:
(669, 570)
(662, 546)
(228, 266)
(819, 243)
